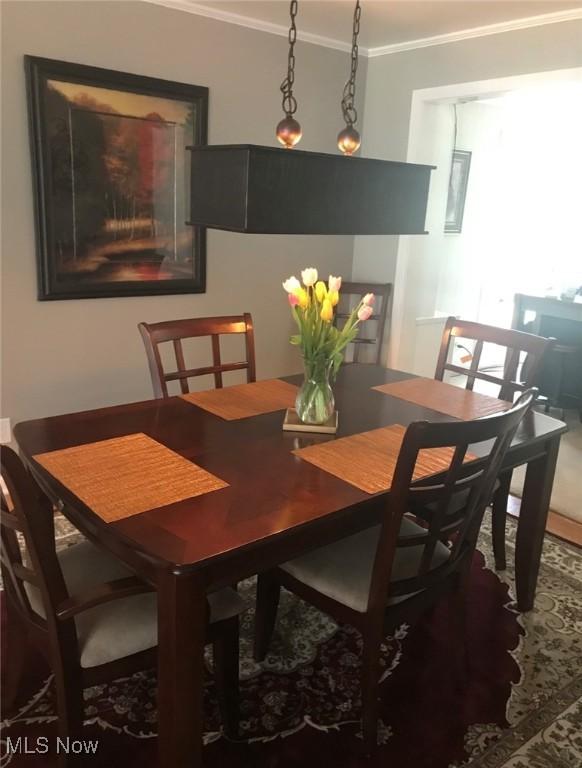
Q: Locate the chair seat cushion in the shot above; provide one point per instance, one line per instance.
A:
(343, 570)
(121, 627)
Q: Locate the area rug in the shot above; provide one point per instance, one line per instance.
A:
(521, 707)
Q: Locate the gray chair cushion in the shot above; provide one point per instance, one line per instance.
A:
(343, 570)
(121, 627)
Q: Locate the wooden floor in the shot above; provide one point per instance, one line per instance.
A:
(563, 527)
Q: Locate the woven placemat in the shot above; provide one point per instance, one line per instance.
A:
(368, 460)
(444, 398)
(244, 400)
(127, 475)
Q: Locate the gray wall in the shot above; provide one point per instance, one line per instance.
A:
(71, 355)
(391, 80)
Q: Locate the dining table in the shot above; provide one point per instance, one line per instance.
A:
(270, 505)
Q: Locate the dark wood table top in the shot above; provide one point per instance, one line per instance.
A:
(272, 494)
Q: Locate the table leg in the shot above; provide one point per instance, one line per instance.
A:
(535, 503)
(182, 616)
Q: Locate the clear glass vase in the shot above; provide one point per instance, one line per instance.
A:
(315, 402)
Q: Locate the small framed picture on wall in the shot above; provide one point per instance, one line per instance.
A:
(458, 180)
(111, 181)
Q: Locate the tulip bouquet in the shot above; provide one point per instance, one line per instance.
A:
(322, 343)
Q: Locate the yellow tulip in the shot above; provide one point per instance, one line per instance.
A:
(320, 291)
(303, 297)
(333, 297)
(327, 310)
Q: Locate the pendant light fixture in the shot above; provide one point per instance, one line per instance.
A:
(348, 139)
(288, 129)
(267, 190)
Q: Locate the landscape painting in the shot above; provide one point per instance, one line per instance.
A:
(112, 181)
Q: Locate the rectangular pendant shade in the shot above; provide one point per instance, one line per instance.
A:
(249, 188)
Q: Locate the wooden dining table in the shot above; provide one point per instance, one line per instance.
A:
(274, 507)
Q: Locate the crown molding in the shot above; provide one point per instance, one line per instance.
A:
(488, 29)
(212, 12)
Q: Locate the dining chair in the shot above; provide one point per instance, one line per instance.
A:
(392, 573)
(175, 331)
(92, 619)
(382, 292)
(521, 369)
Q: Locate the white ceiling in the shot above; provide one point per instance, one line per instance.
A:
(384, 22)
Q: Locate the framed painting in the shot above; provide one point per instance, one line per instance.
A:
(457, 190)
(112, 179)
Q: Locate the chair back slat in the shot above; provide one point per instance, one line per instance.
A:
(175, 331)
(9, 520)
(222, 368)
(525, 348)
(11, 559)
(181, 365)
(477, 352)
(383, 293)
(216, 360)
(510, 373)
(439, 519)
(449, 507)
(25, 574)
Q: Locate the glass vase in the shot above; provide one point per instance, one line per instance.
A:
(315, 402)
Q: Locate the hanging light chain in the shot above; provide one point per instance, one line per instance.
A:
(289, 102)
(348, 109)
(288, 129)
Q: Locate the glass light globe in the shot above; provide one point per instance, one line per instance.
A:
(289, 132)
(348, 140)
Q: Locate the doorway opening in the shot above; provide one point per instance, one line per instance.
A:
(520, 229)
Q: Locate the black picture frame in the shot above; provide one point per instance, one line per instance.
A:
(458, 180)
(111, 181)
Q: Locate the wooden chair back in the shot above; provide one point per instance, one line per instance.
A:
(27, 527)
(154, 334)
(517, 344)
(382, 292)
(451, 506)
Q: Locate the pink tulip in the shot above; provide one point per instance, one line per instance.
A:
(293, 299)
(364, 312)
(369, 299)
(334, 283)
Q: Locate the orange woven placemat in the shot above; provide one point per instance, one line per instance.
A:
(444, 398)
(244, 400)
(127, 475)
(368, 460)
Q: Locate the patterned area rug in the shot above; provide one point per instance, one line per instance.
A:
(521, 708)
(544, 709)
